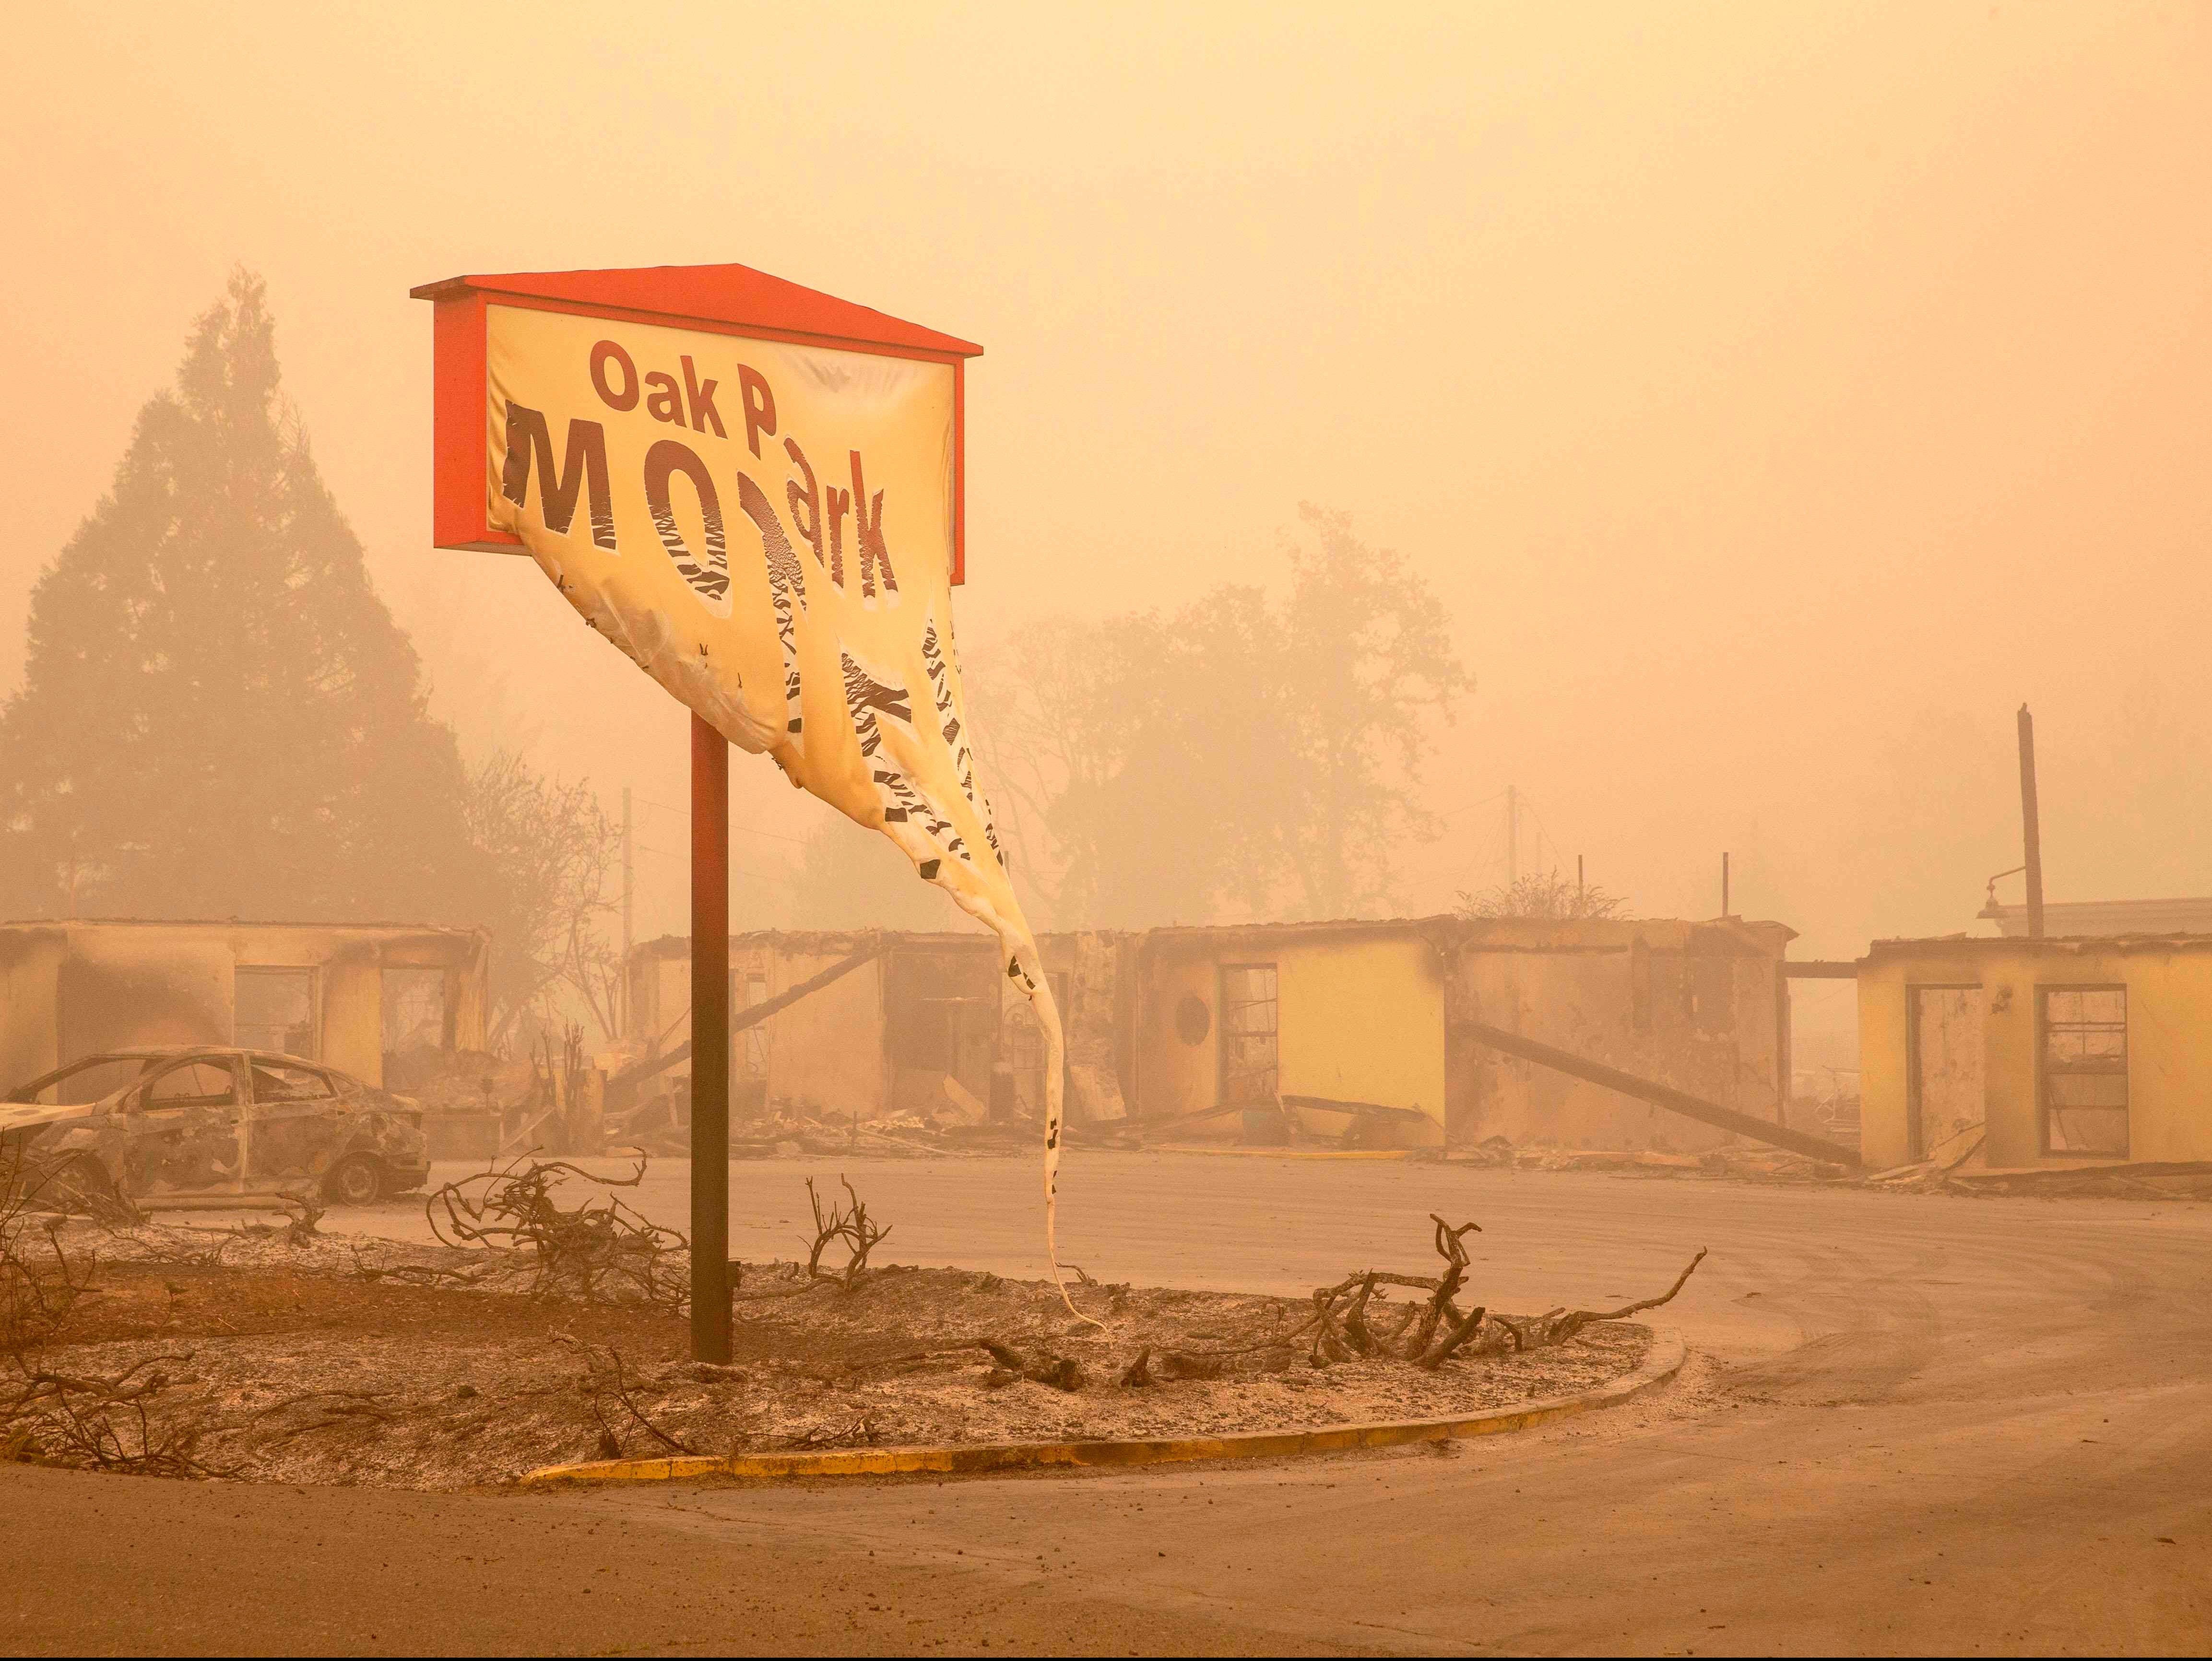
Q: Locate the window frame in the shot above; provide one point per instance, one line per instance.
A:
(750, 1056)
(387, 975)
(313, 972)
(2045, 1071)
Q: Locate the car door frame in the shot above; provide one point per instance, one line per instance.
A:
(330, 1106)
(134, 1107)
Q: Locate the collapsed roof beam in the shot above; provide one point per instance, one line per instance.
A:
(623, 1085)
(1660, 1095)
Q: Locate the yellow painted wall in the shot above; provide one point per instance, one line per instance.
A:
(1359, 1018)
(30, 1028)
(1174, 1076)
(2169, 1040)
(825, 1053)
(1363, 1021)
(1689, 1004)
(75, 988)
(1885, 1139)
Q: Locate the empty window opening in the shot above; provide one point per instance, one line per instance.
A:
(2084, 1070)
(276, 1011)
(1248, 1033)
(752, 1062)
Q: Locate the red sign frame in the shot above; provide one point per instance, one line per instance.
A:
(721, 299)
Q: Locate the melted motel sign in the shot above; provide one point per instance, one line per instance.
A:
(753, 490)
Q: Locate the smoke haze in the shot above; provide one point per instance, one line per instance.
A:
(1776, 397)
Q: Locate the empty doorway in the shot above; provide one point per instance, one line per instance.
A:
(1943, 1041)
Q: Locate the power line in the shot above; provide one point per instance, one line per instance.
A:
(1449, 813)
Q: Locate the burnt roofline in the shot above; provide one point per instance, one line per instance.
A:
(2068, 944)
(461, 929)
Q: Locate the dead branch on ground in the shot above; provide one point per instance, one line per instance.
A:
(416, 1274)
(1557, 1326)
(68, 1184)
(39, 1281)
(1058, 1371)
(1425, 1333)
(859, 1232)
(1353, 1318)
(352, 1410)
(178, 1256)
(822, 1436)
(103, 1422)
(613, 1402)
(602, 1251)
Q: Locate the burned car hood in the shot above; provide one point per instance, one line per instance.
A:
(30, 1116)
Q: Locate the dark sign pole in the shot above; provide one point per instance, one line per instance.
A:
(710, 1044)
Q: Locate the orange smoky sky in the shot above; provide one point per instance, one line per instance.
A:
(1777, 395)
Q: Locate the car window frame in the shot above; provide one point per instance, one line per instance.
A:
(141, 1099)
(28, 1093)
(256, 1060)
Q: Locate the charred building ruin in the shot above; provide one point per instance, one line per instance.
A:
(1364, 1032)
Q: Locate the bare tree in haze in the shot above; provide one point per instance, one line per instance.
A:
(850, 878)
(1123, 755)
(1155, 767)
(1370, 667)
(555, 850)
(1542, 894)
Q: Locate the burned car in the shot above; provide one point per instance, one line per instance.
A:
(150, 1124)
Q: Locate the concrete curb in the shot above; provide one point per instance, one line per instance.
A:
(1665, 1361)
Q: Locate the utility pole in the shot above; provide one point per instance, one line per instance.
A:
(1578, 886)
(2031, 824)
(1512, 836)
(630, 883)
(1724, 884)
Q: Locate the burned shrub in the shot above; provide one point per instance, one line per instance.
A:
(859, 1232)
(1429, 1333)
(600, 1251)
(39, 1281)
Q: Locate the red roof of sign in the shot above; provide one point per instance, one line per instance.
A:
(715, 293)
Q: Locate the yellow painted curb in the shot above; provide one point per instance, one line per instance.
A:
(1279, 1153)
(1665, 1361)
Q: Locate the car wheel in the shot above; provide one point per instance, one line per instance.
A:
(356, 1180)
(81, 1184)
